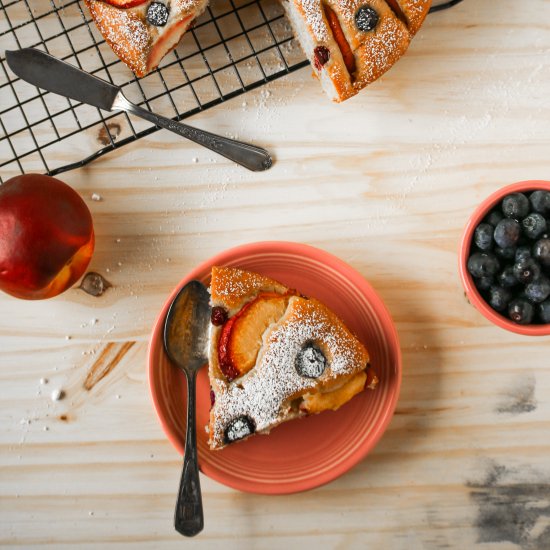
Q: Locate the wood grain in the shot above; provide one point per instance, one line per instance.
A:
(386, 181)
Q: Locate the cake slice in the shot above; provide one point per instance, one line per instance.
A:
(351, 43)
(275, 355)
(142, 32)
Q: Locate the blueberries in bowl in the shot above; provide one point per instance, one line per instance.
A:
(534, 225)
(483, 236)
(521, 311)
(540, 202)
(509, 258)
(507, 233)
(481, 265)
(515, 205)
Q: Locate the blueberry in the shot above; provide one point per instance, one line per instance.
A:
(310, 361)
(506, 253)
(521, 311)
(157, 14)
(507, 233)
(238, 428)
(527, 270)
(499, 297)
(481, 264)
(533, 225)
(541, 251)
(493, 217)
(483, 236)
(515, 205)
(540, 201)
(544, 311)
(366, 18)
(538, 290)
(522, 252)
(484, 283)
(506, 277)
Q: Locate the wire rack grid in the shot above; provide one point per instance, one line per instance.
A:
(234, 47)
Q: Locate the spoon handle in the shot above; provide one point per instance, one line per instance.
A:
(188, 518)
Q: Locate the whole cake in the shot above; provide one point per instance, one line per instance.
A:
(275, 355)
(349, 43)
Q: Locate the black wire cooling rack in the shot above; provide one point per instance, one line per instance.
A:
(235, 46)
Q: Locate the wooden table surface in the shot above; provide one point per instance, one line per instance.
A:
(385, 181)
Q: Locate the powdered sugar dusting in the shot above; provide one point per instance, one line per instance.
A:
(313, 13)
(231, 287)
(416, 11)
(265, 393)
(381, 50)
(126, 32)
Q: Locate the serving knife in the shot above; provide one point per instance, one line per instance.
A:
(56, 76)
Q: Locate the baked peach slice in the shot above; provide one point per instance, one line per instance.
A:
(241, 337)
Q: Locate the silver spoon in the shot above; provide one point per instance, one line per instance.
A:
(186, 343)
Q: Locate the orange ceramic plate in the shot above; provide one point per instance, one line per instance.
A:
(305, 453)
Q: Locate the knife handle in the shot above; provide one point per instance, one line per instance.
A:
(251, 157)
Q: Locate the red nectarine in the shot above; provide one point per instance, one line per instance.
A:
(46, 236)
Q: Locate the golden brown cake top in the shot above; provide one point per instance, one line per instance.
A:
(232, 287)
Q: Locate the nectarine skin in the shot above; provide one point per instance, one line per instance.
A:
(46, 236)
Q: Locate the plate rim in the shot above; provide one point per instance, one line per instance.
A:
(350, 273)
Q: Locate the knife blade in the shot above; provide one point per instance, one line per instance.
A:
(52, 74)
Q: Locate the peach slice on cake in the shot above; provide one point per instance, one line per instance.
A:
(241, 337)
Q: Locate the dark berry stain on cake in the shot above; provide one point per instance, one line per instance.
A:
(310, 361)
(513, 505)
(366, 18)
(157, 14)
(218, 316)
(239, 428)
(212, 398)
(520, 397)
(321, 55)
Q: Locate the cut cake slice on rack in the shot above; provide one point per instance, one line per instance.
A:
(275, 355)
(351, 43)
(142, 32)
